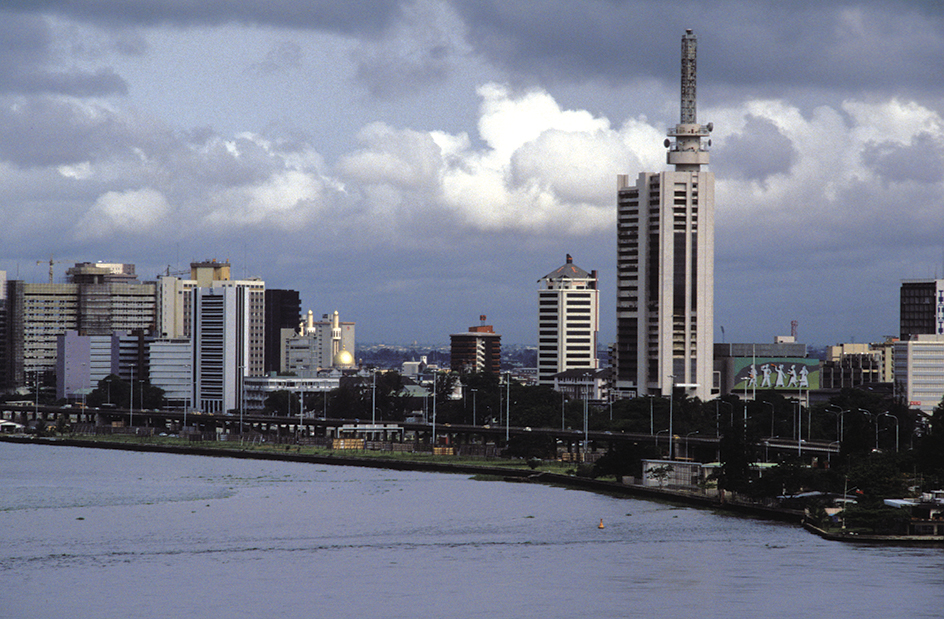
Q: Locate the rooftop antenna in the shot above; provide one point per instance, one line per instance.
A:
(687, 151)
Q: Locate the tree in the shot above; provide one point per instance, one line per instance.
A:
(737, 457)
(931, 446)
(529, 446)
(624, 459)
(282, 403)
(661, 473)
(113, 390)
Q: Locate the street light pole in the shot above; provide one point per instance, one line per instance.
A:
(507, 407)
(474, 392)
(373, 398)
(671, 401)
(896, 427)
(562, 408)
(869, 413)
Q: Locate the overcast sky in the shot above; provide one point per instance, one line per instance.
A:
(414, 164)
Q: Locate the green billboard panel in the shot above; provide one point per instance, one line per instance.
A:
(778, 373)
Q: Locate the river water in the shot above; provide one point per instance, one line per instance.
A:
(94, 533)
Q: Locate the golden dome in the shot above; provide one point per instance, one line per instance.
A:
(343, 359)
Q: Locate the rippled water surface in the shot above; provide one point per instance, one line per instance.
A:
(93, 533)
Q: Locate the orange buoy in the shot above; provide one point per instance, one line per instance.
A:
(601, 524)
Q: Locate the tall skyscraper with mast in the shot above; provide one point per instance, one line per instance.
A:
(665, 261)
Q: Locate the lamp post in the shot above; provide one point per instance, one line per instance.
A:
(562, 408)
(896, 427)
(771, 404)
(799, 430)
(474, 392)
(829, 453)
(671, 399)
(657, 437)
(840, 421)
(373, 397)
(871, 418)
(507, 406)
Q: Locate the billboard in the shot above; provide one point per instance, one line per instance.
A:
(777, 373)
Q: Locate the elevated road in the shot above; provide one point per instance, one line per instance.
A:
(691, 446)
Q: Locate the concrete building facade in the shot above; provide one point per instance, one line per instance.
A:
(568, 321)
(99, 300)
(922, 307)
(919, 370)
(171, 369)
(477, 350)
(665, 262)
(220, 347)
(283, 310)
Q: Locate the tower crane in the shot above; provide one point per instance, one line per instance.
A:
(51, 262)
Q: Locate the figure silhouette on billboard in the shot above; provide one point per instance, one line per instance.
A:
(793, 377)
(752, 376)
(766, 370)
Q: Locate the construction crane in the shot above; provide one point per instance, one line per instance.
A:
(51, 262)
(168, 272)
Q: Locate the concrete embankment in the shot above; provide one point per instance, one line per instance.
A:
(511, 474)
(864, 538)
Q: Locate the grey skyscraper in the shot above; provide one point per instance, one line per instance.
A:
(665, 261)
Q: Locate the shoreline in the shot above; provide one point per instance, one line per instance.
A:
(518, 475)
(865, 538)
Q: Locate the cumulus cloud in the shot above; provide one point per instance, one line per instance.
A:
(134, 211)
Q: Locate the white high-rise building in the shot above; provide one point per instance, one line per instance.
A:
(228, 341)
(568, 321)
(665, 262)
(919, 370)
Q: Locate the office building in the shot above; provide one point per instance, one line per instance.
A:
(220, 347)
(98, 299)
(568, 321)
(919, 370)
(4, 335)
(922, 307)
(82, 361)
(665, 262)
(171, 369)
(283, 310)
(477, 350)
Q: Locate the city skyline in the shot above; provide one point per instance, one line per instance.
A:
(414, 165)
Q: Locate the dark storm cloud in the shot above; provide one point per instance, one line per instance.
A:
(50, 132)
(876, 45)
(24, 57)
(350, 16)
(755, 153)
